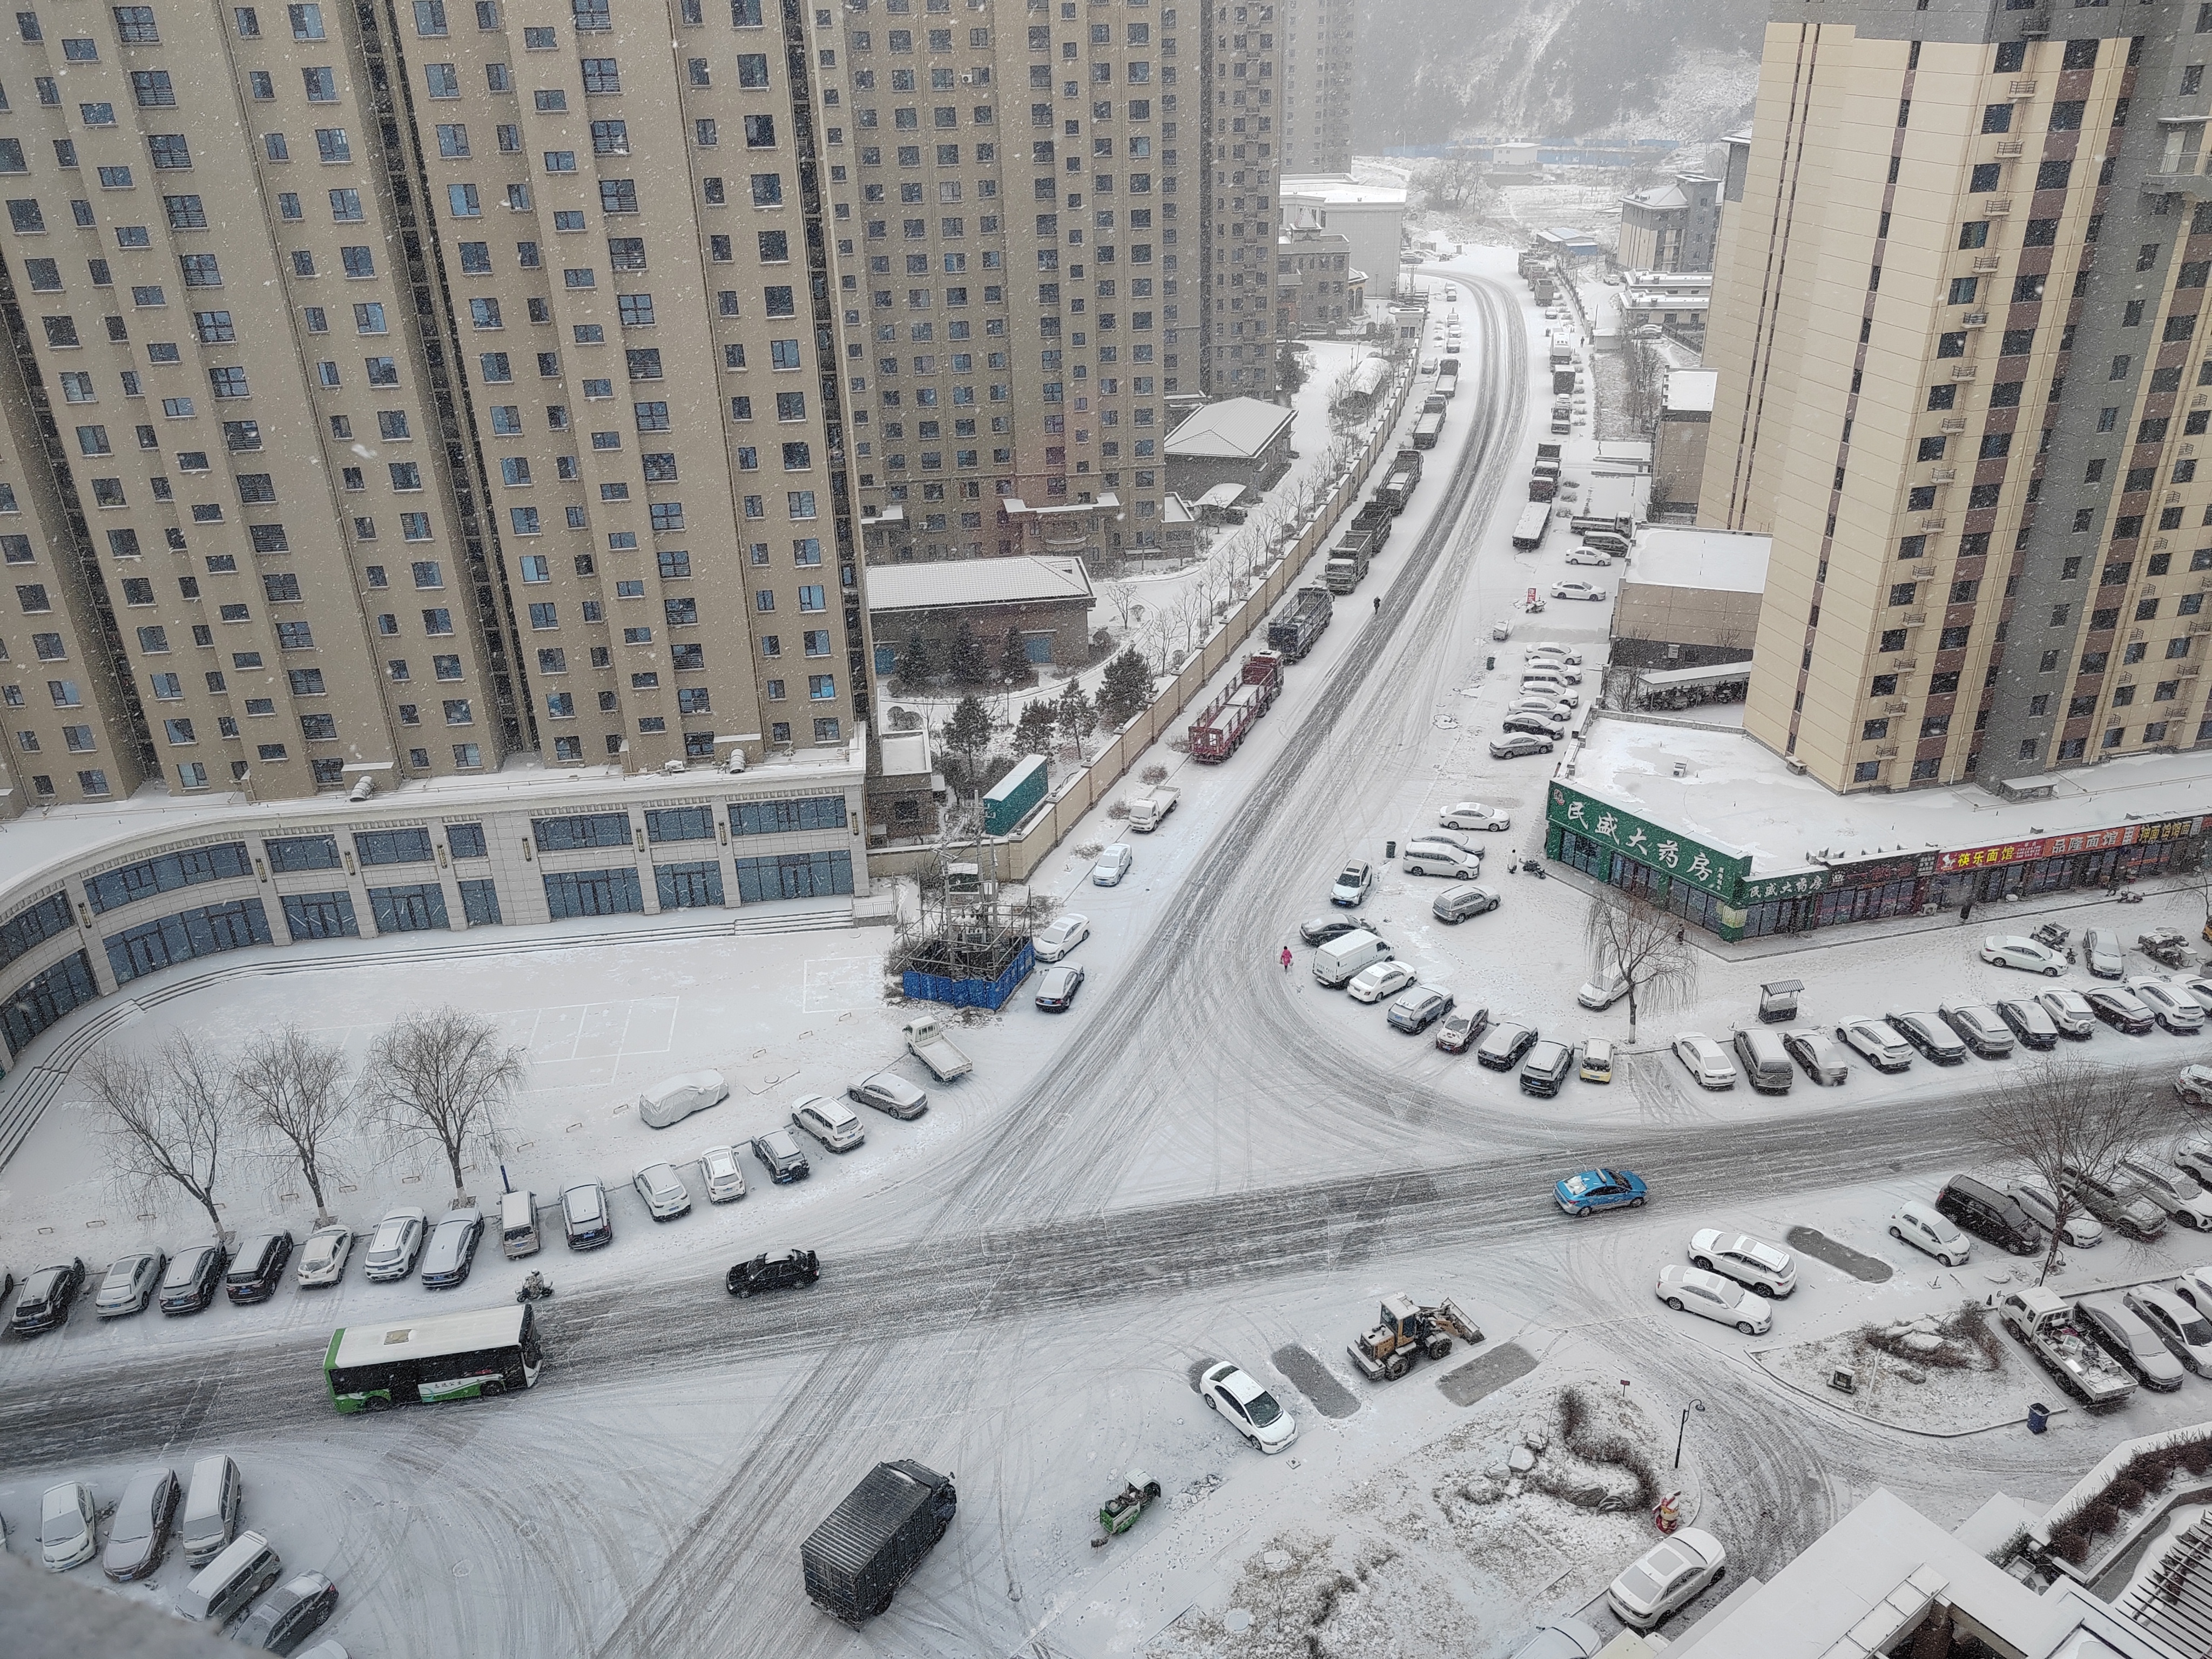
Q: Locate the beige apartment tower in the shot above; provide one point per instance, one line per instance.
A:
(1319, 37)
(1962, 383)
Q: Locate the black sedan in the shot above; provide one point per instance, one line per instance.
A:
(1323, 929)
(46, 1297)
(194, 1277)
(2123, 1009)
(1934, 1038)
(778, 1270)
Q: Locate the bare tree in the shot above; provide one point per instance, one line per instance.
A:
(1632, 940)
(175, 1119)
(439, 1078)
(2063, 1120)
(295, 1089)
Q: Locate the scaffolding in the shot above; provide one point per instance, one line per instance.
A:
(969, 948)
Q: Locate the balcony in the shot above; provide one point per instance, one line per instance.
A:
(2010, 149)
(1986, 262)
(1975, 319)
(1962, 371)
(1943, 475)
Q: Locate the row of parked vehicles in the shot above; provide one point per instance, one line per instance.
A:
(200, 1519)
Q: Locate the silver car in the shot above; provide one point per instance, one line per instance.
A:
(130, 1285)
(2082, 1230)
(289, 1614)
(887, 1092)
(2103, 954)
(832, 1123)
(452, 1248)
(724, 1177)
(139, 1535)
(2121, 1332)
(1818, 1057)
(394, 1245)
(2174, 1009)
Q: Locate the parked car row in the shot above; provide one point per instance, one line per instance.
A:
(1733, 1278)
(236, 1569)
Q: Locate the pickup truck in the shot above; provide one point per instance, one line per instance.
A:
(2043, 1323)
(1147, 815)
(927, 1041)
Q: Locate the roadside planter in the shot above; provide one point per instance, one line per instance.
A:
(2135, 1487)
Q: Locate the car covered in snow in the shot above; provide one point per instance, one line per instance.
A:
(2103, 954)
(1587, 554)
(1456, 905)
(2107, 1320)
(129, 1283)
(2118, 1201)
(1063, 935)
(67, 1526)
(1419, 1008)
(395, 1242)
(323, 1257)
(1457, 1030)
(1472, 815)
(1927, 1032)
(2012, 951)
(1503, 1045)
(2186, 1333)
(1534, 725)
(1672, 1573)
(723, 1175)
(2194, 1085)
(1924, 1228)
(1056, 989)
(1382, 979)
(1705, 1060)
(1321, 929)
(2029, 1021)
(1588, 1190)
(1113, 865)
(1354, 883)
(2070, 1012)
(887, 1092)
(1818, 1057)
(1251, 1410)
(2082, 1230)
(1693, 1290)
(778, 1152)
(1517, 744)
(2174, 1009)
(2173, 1190)
(832, 1123)
(1875, 1043)
(663, 1191)
(2199, 988)
(1978, 1027)
(1767, 1269)
(452, 1248)
(1560, 1638)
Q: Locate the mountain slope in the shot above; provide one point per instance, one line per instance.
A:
(1553, 67)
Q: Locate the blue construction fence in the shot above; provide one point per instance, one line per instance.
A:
(970, 993)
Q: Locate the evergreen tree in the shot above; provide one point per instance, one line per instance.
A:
(1077, 717)
(1034, 736)
(1126, 689)
(916, 665)
(967, 734)
(968, 663)
(1013, 661)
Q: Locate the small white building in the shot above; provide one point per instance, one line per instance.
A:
(1371, 217)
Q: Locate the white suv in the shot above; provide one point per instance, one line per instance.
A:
(832, 1123)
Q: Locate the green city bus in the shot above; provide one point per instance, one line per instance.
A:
(433, 1357)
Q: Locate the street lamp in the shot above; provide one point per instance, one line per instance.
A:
(1684, 1428)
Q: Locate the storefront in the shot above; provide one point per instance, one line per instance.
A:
(1712, 886)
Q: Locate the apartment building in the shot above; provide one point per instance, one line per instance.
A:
(1319, 37)
(1961, 383)
(1247, 317)
(393, 389)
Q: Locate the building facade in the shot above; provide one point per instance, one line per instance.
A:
(1246, 319)
(1319, 37)
(1956, 325)
(1671, 226)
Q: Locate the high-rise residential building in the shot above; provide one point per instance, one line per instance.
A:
(395, 388)
(1319, 37)
(1245, 316)
(1962, 382)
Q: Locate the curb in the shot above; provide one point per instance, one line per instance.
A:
(1759, 1356)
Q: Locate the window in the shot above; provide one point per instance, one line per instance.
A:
(602, 76)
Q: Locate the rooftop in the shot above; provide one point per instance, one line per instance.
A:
(1023, 578)
(1241, 428)
(1733, 793)
(1338, 189)
(1730, 560)
(1692, 390)
(1660, 198)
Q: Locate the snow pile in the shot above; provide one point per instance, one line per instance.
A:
(1301, 1597)
(1585, 1448)
(1935, 1373)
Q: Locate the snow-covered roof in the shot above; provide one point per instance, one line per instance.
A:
(1729, 560)
(1175, 509)
(905, 754)
(1223, 494)
(1339, 190)
(1692, 391)
(1238, 428)
(1734, 791)
(1367, 379)
(948, 584)
(1659, 198)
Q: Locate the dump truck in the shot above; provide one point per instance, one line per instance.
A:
(1400, 481)
(1148, 814)
(1563, 380)
(871, 1543)
(927, 1041)
(1584, 523)
(1543, 487)
(1435, 403)
(1547, 451)
(1563, 353)
(1427, 430)
(1448, 377)
(1528, 532)
(1215, 734)
(2043, 1323)
(1374, 516)
(1410, 1332)
(1294, 629)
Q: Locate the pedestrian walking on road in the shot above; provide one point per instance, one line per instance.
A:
(1965, 911)
(1378, 604)
(1287, 959)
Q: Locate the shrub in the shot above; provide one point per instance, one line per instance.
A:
(2072, 1545)
(2128, 1494)
(2195, 1455)
(2099, 1514)
(1119, 810)
(1154, 773)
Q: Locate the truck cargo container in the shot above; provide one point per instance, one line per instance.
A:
(1542, 487)
(1427, 430)
(1215, 734)
(872, 1542)
(1448, 377)
(1015, 796)
(1563, 379)
(1399, 483)
(1528, 532)
(1294, 629)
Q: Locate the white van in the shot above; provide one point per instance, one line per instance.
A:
(1437, 858)
(222, 1590)
(518, 1223)
(673, 1099)
(1337, 961)
(212, 1506)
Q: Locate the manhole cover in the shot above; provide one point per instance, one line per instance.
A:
(1237, 1620)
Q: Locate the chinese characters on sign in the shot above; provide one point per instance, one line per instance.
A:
(1705, 867)
(2052, 847)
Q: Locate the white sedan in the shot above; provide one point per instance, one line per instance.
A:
(2172, 1008)
(1588, 556)
(725, 1178)
(1921, 1226)
(1382, 980)
(1064, 935)
(2011, 951)
(663, 1193)
(1670, 1574)
(1577, 590)
(1472, 815)
(1705, 1060)
(1693, 1290)
(1251, 1410)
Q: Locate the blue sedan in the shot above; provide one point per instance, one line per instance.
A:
(1600, 1190)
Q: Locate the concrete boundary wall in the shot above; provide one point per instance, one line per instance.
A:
(1070, 801)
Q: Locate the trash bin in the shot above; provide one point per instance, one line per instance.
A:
(1490, 662)
(1390, 849)
(2039, 1417)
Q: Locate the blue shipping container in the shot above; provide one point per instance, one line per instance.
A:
(970, 993)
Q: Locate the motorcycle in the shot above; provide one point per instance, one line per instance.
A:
(1533, 866)
(2129, 897)
(534, 1289)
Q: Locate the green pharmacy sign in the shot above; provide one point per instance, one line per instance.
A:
(1707, 868)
